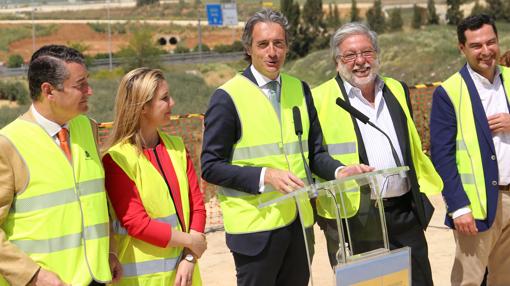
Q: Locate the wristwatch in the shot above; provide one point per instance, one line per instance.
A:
(190, 258)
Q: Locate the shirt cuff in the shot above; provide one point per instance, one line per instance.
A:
(261, 180)
(461, 211)
(337, 171)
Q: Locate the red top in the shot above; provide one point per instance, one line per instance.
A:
(128, 205)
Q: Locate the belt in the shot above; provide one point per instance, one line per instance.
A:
(392, 202)
(505, 188)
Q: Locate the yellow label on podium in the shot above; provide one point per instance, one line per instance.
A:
(400, 278)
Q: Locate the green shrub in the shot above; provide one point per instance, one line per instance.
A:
(237, 46)
(15, 61)
(205, 48)
(14, 91)
(8, 114)
(181, 49)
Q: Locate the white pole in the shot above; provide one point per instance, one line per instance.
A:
(33, 26)
(110, 65)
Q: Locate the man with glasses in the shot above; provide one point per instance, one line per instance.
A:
(470, 146)
(386, 102)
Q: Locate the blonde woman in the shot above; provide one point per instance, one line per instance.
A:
(158, 210)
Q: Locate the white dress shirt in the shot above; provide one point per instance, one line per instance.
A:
(49, 126)
(376, 144)
(494, 101)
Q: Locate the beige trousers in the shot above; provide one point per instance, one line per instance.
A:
(490, 249)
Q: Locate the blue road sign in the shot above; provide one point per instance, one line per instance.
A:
(214, 15)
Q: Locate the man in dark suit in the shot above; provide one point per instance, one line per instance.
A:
(251, 151)
(470, 146)
(386, 103)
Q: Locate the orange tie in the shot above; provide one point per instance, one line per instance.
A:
(62, 137)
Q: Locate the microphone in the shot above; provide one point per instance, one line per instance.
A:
(298, 128)
(353, 111)
(363, 118)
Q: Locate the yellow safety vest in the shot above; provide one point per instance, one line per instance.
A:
(266, 141)
(469, 159)
(61, 219)
(142, 262)
(342, 144)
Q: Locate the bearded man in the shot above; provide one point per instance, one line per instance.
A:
(386, 102)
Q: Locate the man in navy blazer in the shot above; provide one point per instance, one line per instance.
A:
(276, 256)
(470, 146)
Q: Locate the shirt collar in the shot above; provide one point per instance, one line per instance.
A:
(353, 91)
(481, 79)
(260, 78)
(52, 128)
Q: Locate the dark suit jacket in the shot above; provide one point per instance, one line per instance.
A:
(421, 205)
(443, 132)
(222, 131)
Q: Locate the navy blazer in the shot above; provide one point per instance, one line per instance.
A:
(222, 129)
(443, 134)
(421, 205)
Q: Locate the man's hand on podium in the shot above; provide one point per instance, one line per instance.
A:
(283, 181)
(351, 170)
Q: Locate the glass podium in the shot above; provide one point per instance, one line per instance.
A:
(364, 257)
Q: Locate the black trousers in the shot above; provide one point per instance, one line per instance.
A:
(282, 262)
(403, 227)
(94, 283)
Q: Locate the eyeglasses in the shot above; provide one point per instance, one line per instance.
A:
(352, 56)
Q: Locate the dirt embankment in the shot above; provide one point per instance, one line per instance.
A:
(98, 42)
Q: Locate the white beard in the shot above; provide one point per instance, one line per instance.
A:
(357, 81)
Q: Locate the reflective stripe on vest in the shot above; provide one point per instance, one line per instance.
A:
(171, 220)
(61, 219)
(266, 141)
(468, 156)
(58, 197)
(144, 263)
(62, 242)
(342, 148)
(150, 267)
(271, 149)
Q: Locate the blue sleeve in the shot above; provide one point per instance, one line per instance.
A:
(443, 134)
(221, 131)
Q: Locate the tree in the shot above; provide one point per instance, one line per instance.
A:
(141, 50)
(354, 12)
(333, 16)
(140, 3)
(82, 48)
(292, 12)
(495, 8)
(432, 19)
(478, 9)
(396, 22)
(506, 12)
(416, 24)
(15, 61)
(314, 30)
(375, 17)
(453, 13)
